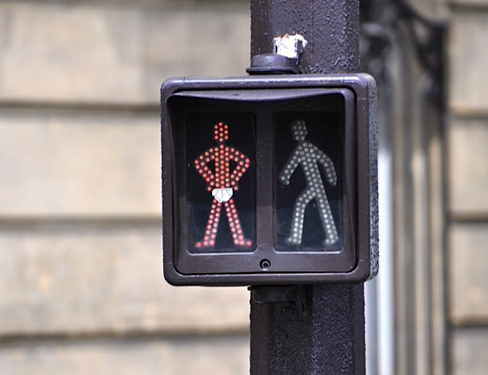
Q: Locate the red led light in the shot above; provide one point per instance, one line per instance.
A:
(222, 178)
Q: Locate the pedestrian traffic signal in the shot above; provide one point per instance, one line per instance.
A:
(269, 180)
(221, 183)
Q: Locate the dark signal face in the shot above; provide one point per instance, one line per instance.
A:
(269, 180)
(221, 205)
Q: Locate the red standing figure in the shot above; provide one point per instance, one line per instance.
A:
(222, 182)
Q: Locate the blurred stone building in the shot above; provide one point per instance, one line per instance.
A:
(81, 290)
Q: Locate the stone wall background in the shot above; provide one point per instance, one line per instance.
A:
(81, 290)
(467, 158)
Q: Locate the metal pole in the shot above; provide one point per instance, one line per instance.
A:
(314, 329)
(330, 26)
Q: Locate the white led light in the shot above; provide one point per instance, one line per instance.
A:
(309, 157)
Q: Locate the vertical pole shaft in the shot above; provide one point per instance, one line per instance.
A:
(329, 338)
(331, 28)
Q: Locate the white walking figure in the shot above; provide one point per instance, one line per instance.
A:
(309, 156)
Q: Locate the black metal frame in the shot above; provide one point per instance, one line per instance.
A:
(358, 260)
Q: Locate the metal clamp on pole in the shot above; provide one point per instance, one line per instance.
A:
(284, 59)
(290, 302)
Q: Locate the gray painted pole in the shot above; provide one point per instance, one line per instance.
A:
(314, 329)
